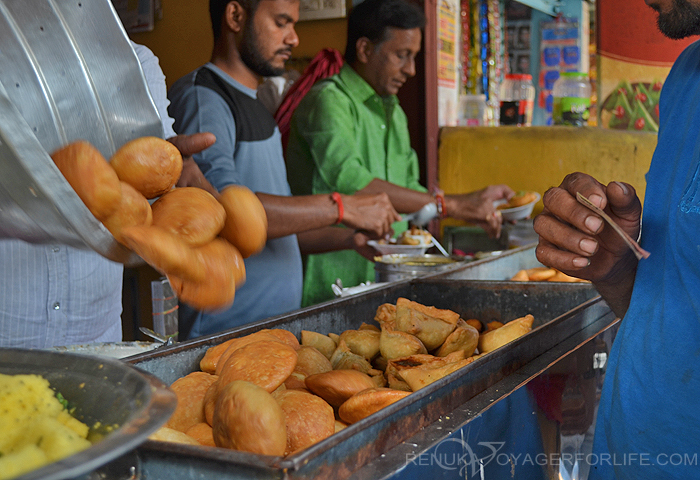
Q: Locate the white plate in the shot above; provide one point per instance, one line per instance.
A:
(392, 248)
(517, 213)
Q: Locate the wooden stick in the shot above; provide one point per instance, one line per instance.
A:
(639, 252)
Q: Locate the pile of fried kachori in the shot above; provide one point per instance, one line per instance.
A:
(269, 393)
(196, 240)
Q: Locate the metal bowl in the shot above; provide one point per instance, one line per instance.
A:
(105, 393)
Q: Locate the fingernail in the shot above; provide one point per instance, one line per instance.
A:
(593, 223)
(623, 187)
(588, 245)
(597, 200)
(581, 262)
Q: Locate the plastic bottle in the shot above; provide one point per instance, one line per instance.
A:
(571, 99)
(517, 100)
(472, 110)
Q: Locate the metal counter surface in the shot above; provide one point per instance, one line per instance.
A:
(560, 311)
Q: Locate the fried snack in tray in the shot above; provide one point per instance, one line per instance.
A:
(309, 362)
(323, 343)
(512, 330)
(395, 344)
(190, 391)
(544, 274)
(219, 353)
(92, 178)
(264, 363)
(421, 370)
(344, 359)
(191, 213)
(386, 315)
(367, 402)
(464, 338)
(149, 164)
(133, 209)
(167, 434)
(203, 433)
(337, 386)
(431, 325)
(362, 342)
(308, 418)
(248, 418)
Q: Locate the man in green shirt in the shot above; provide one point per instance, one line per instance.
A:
(349, 134)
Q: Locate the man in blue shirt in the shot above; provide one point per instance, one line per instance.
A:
(254, 38)
(648, 420)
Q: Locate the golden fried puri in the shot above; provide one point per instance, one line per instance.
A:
(190, 391)
(337, 386)
(133, 209)
(92, 178)
(263, 363)
(149, 164)
(248, 418)
(367, 402)
(308, 418)
(246, 220)
(191, 213)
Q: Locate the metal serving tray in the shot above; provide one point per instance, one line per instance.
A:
(67, 72)
(560, 310)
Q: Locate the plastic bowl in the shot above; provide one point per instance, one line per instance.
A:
(517, 213)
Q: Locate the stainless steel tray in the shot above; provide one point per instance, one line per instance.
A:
(560, 310)
(67, 72)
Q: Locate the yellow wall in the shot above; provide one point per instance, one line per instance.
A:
(536, 158)
(182, 39)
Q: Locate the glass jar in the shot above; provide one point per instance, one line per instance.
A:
(517, 100)
(571, 99)
(472, 110)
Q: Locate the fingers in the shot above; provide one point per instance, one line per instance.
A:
(371, 213)
(562, 236)
(191, 144)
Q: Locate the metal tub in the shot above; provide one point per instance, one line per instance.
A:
(560, 310)
(104, 392)
(67, 72)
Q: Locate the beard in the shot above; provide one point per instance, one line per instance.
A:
(683, 20)
(251, 56)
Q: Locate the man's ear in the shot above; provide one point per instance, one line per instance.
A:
(235, 16)
(364, 48)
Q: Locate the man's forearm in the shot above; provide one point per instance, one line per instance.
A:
(403, 199)
(326, 239)
(290, 215)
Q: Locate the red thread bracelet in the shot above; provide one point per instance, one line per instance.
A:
(440, 200)
(335, 196)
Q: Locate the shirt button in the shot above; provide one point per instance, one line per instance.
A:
(383, 127)
(56, 306)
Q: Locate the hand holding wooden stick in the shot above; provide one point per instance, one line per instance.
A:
(639, 252)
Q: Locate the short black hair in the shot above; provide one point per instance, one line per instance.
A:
(372, 18)
(218, 7)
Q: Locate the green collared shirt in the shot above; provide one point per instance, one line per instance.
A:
(343, 135)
